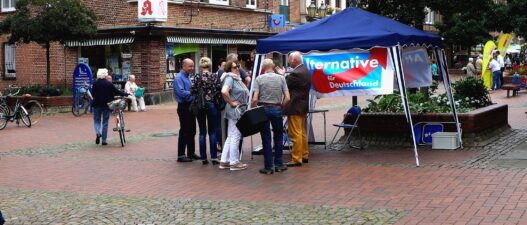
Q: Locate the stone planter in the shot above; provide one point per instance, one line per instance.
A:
(475, 124)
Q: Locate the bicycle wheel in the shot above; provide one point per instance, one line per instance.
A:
(34, 109)
(121, 129)
(77, 106)
(24, 116)
(85, 105)
(4, 113)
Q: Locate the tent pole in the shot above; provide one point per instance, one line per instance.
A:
(395, 53)
(443, 68)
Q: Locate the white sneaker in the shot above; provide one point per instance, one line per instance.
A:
(238, 166)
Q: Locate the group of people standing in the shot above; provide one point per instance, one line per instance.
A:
(228, 90)
(497, 67)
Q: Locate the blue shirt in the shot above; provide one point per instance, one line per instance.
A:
(182, 86)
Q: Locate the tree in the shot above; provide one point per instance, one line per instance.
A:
(464, 23)
(516, 10)
(410, 12)
(47, 21)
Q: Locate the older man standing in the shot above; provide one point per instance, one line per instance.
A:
(187, 120)
(299, 83)
(270, 91)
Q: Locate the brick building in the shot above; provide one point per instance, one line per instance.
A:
(152, 51)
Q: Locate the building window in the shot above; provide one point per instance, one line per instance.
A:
(8, 5)
(219, 2)
(251, 4)
(9, 61)
(429, 19)
(284, 9)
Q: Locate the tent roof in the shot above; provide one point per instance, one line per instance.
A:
(348, 29)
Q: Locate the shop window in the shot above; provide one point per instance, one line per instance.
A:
(8, 5)
(251, 4)
(9, 61)
(219, 2)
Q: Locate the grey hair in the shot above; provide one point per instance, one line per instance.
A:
(102, 73)
(268, 64)
(232, 57)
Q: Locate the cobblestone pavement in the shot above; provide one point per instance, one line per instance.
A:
(54, 174)
(38, 207)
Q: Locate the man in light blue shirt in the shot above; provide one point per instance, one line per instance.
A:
(187, 120)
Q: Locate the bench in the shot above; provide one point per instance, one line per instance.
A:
(515, 88)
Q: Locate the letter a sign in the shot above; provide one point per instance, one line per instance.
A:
(152, 10)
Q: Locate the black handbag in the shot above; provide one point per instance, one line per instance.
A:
(251, 121)
(198, 103)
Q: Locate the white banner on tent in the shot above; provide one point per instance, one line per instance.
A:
(416, 65)
(352, 73)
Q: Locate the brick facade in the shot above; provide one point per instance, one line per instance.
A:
(148, 50)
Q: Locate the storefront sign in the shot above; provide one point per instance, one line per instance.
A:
(351, 73)
(416, 67)
(277, 21)
(152, 10)
(82, 77)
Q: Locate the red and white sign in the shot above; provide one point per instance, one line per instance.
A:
(152, 10)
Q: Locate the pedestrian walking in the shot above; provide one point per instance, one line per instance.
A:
(479, 65)
(299, 83)
(187, 120)
(136, 94)
(494, 67)
(471, 69)
(206, 85)
(271, 92)
(434, 69)
(103, 92)
(501, 62)
(235, 93)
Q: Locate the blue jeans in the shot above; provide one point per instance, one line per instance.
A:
(209, 117)
(276, 120)
(105, 113)
(496, 83)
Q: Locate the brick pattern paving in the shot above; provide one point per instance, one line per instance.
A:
(142, 183)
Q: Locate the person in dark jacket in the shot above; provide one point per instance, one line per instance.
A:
(103, 92)
(2, 221)
(299, 83)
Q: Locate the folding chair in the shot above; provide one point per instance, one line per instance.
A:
(355, 112)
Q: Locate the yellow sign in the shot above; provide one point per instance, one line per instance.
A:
(503, 43)
(486, 74)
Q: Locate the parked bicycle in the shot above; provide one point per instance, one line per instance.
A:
(19, 112)
(117, 106)
(33, 107)
(83, 98)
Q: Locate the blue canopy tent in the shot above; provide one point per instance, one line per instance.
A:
(355, 28)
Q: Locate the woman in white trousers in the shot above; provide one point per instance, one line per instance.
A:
(130, 88)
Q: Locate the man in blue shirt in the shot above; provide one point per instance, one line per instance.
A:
(187, 120)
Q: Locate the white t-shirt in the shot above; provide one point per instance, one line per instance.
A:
(501, 61)
(494, 65)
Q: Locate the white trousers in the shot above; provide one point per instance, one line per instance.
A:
(134, 101)
(230, 151)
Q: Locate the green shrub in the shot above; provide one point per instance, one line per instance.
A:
(469, 94)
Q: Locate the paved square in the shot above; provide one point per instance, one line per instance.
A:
(53, 173)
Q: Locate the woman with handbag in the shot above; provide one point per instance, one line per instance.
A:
(235, 94)
(205, 89)
(136, 94)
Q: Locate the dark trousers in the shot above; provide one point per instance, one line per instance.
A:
(502, 69)
(187, 130)
(275, 115)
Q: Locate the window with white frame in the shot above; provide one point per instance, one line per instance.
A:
(251, 4)
(8, 5)
(219, 2)
(284, 2)
(9, 61)
(430, 17)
